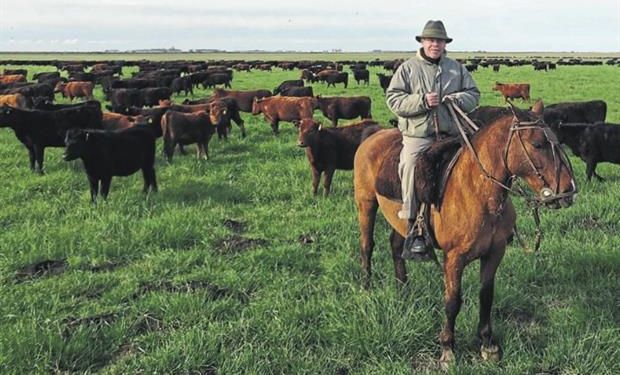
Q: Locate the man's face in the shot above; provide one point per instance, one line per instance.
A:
(433, 48)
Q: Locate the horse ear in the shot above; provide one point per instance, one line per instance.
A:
(538, 107)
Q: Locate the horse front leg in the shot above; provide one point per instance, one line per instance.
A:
(396, 242)
(489, 350)
(453, 273)
(367, 216)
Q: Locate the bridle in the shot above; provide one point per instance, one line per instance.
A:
(547, 194)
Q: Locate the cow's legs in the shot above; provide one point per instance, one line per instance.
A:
(169, 145)
(591, 170)
(327, 181)
(316, 178)
(205, 149)
(488, 266)
(334, 119)
(239, 121)
(453, 272)
(94, 188)
(274, 126)
(148, 174)
(153, 179)
(39, 154)
(105, 186)
(31, 156)
(397, 241)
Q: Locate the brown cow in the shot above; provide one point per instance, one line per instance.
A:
(284, 108)
(14, 100)
(513, 90)
(244, 99)
(117, 121)
(12, 78)
(186, 128)
(329, 149)
(75, 89)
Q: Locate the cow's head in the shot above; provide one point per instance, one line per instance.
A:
(75, 144)
(59, 86)
(256, 106)
(308, 129)
(218, 111)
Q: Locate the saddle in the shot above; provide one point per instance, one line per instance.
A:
(432, 171)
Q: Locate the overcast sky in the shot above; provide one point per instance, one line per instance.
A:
(314, 25)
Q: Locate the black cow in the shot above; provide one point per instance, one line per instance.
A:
(217, 79)
(38, 129)
(343, 78)
(573, 112)
(297, 91)
(113, 153)
(182, 84)
(361, 75)
(288, 83)
(598, 143)
(336, 107)
(123, 99)
(384, 81)
(152, 95)
(43, 76)
(32, 90)
(23, 72)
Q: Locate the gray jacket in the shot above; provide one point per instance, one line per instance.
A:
(416, 77)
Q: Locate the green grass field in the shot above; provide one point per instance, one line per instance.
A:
(235, 268)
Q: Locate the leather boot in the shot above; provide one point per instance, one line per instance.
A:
(415, 247)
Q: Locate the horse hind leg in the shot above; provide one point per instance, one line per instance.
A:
(367, 210)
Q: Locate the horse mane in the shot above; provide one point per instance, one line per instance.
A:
(488, 115)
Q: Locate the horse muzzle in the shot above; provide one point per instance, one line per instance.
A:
(555, 201)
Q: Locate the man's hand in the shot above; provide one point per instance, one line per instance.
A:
(432, 99)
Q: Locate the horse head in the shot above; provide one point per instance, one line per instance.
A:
(533, 153)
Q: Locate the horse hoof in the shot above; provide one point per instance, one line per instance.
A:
(447, 360)
(491, 353)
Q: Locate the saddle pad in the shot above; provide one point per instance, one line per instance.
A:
(432, 170)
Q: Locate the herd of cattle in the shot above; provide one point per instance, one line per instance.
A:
(121, 141)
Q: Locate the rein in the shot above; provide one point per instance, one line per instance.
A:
(547, 194)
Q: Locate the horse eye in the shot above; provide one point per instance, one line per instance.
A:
(537, 145)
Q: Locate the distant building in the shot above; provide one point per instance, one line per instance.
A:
(206, 50)
(157, 50)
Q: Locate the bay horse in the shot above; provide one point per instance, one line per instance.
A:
(476, 216)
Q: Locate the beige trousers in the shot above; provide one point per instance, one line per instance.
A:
(406, 168)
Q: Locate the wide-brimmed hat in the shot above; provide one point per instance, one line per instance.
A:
(434, 29)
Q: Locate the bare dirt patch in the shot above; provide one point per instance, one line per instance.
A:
(236, 244)
(40, 269)
(234, 225)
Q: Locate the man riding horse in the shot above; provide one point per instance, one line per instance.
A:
(417, 95)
